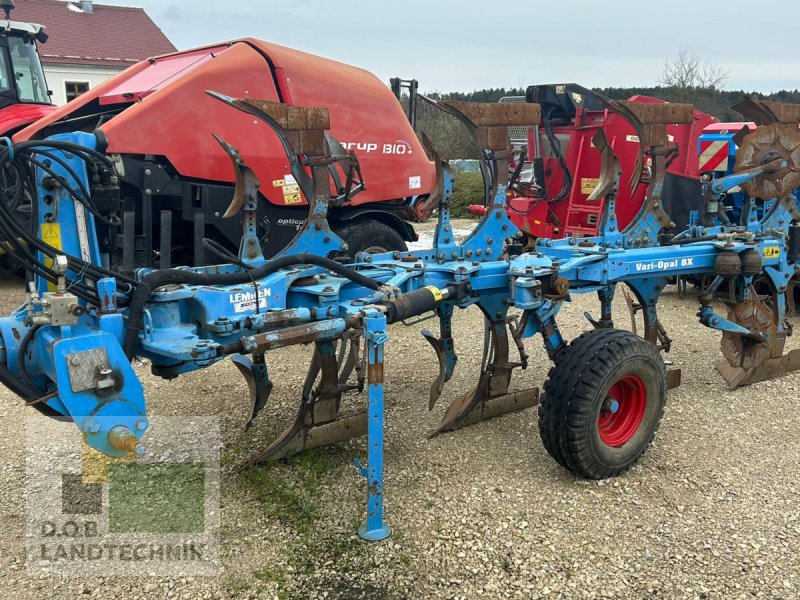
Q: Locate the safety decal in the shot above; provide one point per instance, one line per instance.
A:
(291, 191)
(437, 293)
(588, 184)
(713, 155)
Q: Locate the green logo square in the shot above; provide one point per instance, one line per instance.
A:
(156, 497)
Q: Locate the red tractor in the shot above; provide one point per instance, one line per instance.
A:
(24, 96)
(158, 121)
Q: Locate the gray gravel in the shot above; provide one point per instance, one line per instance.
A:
(710, 512)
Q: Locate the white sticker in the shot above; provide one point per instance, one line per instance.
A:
(246, 301)
(635, 138)
(663, 265)
(289, 180)
(414, 183)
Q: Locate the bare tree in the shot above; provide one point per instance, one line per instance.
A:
(688, 72)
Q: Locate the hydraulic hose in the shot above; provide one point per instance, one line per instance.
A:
(23, 350)
(21, 388)
(31, 395)
(157, 279)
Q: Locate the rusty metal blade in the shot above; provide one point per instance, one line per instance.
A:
(588, 316)
(769, 369)
(607, 167)
(673, 378)
(751, 109)
(740, 135)
(436, 195)
(638, 126)
(299, 437)
(258, 383)
(235, 207)
(438, 384)
(317, 422)
(346, 367)
(476, 406)
(492, 114)
(631, 309)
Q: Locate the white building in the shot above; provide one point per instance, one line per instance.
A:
(88, 42)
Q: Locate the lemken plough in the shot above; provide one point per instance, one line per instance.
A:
(67, 352)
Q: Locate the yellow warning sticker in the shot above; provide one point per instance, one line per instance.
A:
(292, 199)
(51, 234)
(276, 183)
(772, 252)
(437, 293)
(588, 184)
(291, 192)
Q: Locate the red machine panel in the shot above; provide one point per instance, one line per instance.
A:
(15, 116)
(170, 115)
(574, 214)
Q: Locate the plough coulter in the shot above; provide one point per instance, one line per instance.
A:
(68, 350)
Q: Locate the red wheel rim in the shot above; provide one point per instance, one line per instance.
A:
(622, 411)
(422, 213)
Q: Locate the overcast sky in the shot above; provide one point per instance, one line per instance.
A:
(462, 45)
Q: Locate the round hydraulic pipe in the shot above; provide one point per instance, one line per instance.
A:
(289, 336)
(417, 302)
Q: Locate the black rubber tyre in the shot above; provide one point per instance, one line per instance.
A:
(369, 235)
(578, 423)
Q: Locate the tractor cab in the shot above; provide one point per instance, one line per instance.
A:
(22, 78)
(21, 74)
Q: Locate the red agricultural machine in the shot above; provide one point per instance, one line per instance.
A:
(175, 191)
(157, 121)
(563, 166)
(24, 96)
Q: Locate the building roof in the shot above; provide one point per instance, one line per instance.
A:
(112, 36)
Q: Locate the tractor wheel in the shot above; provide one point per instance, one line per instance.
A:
(602, 403)
(369, 235)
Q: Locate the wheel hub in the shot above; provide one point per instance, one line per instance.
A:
(622, 411)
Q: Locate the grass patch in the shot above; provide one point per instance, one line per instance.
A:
(290, 493)
(291, 500)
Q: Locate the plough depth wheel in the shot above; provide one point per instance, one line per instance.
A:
(602, 403)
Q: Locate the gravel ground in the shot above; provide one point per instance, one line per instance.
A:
(709, 512)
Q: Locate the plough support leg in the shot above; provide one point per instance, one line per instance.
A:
(374, 528)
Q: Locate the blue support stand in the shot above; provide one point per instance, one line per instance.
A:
(374, 528)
